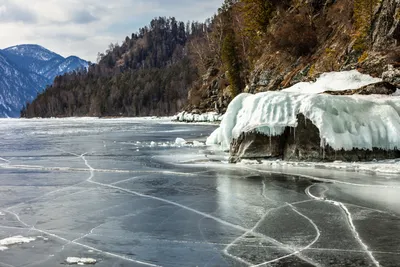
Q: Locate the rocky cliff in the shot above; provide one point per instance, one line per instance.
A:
(306, 38)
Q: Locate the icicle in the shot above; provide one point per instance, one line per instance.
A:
(323, 147)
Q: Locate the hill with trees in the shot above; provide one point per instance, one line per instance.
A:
(247, 46)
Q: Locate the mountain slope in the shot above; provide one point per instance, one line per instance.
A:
(42, 61)
(16, 87)
(25, 70)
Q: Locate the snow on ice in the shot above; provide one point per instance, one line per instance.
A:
(180, 142)
(80, 261)
(390, 167)
(344, 122)
(15, 240)
(205, 117)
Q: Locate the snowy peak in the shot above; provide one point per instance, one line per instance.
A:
(16, 87)
(37, 59)
(26, 70)
(32, 51)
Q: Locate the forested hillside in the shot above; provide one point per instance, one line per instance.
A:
(147, 75)
(248, 45)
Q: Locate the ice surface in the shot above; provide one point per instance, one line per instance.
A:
(127, 208)
(344, 122)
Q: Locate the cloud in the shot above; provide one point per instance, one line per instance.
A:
(83, 17)
(86, 27)
(13, 13)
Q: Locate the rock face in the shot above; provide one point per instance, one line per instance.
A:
(212, 95)
(255, 146)
(392, 75)
(302, 143)
(386, 27)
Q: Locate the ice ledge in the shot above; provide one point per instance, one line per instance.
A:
(343, 123)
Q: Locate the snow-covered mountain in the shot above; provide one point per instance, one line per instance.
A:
(26, 70)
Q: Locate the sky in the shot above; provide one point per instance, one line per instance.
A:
(85, 27)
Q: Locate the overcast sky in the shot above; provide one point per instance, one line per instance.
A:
(86, 27)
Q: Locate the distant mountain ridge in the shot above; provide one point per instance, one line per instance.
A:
(26, 70)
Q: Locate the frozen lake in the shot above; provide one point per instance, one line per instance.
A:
(121, 193)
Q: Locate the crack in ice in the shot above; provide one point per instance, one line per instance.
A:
(295, 253)
(5, 160)
(350, 221)
(238, 227)
(33, 228)
(302, 249)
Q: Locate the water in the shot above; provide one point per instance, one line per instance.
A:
(120, 192)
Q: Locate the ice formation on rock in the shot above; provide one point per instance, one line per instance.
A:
(344, 122)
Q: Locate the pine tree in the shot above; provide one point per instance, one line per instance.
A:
(257, 14)
(232, 63)
(363, 18)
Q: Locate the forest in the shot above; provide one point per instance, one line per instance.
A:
(165, 67)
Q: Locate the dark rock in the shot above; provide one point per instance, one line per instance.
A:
(380, 88)
(256, 146)
(305, 145)
(302, 143)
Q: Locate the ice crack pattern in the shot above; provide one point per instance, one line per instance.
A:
(142, 214)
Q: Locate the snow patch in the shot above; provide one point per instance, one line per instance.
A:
(180, 142)
(389, 167)
(205, 117)
(15, 240)
(80, 261)
(334, 81)
(344, 122)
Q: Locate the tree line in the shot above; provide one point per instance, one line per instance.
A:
(153, 70)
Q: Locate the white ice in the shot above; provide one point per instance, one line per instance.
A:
(15, 240)
(180, 142)
(344, 122)
(382, 166)
(205, 117)
(80, 261)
